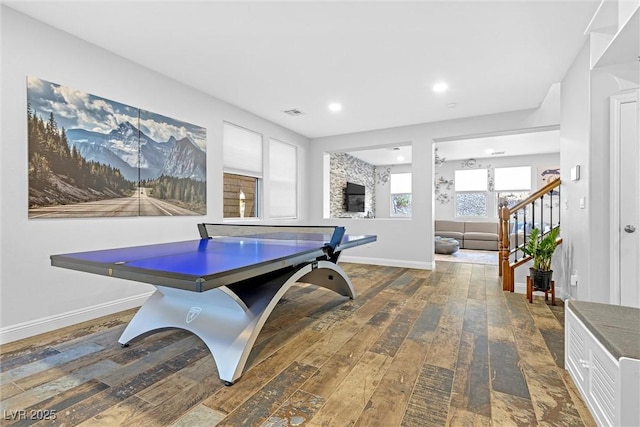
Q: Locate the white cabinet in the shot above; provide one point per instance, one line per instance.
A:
(609, 387)
(576, 350)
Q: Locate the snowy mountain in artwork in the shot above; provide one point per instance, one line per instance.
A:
(185, 160)
(127, 148)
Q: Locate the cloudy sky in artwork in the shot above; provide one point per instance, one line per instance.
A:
(74, 109)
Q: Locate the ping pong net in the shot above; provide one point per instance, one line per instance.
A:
(326, 236)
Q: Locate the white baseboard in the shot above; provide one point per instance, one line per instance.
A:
(389, 262)
(50, 323)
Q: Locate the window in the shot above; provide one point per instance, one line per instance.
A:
(511, 198)
(512, 185)
(283, 173)
(471, 192)
(242, 162)
(400, 194)
(240, 196)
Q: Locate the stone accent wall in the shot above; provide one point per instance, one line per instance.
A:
(232, 186)
(345, 168)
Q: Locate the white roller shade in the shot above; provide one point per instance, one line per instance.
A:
(513, 179)
(471, 180)
(283, 174)
(242, 151)
(400, 183)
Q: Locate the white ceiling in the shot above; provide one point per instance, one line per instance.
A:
(394, 155)
(501, 146)
(521, 144)
(378, 59)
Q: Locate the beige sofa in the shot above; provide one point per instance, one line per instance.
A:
(470, 234)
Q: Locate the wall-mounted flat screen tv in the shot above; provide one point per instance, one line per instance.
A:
(355, 189)
(355, 203)
(355, 197)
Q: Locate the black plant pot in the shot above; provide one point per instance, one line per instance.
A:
(541, 280)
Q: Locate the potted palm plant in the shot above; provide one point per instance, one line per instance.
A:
(541, 249)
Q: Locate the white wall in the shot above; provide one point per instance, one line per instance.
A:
(538, 163)
(408, 242)
(36, 297)
(574, 150)
(584, 141)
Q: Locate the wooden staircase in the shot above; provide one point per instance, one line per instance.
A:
(545, 204)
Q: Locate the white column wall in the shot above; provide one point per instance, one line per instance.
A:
(36, 297)
(585, 141)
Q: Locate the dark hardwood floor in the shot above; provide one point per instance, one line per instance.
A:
(415, 348)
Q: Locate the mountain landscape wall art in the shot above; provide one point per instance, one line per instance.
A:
(93, 157)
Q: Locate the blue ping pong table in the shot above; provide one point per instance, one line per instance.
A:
(224, 286)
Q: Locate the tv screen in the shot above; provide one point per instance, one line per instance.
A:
(355, 202)
(355, 189)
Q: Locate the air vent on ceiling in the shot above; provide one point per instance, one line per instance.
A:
(497, 153)
(293, 112)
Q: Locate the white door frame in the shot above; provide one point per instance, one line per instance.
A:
(614, 180)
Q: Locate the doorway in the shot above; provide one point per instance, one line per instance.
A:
(625, 200)
(533, 152)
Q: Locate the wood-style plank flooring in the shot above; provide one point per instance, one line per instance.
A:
(415, 348)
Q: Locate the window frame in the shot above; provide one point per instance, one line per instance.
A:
(392, 194)
(484, 191)
(253, 173)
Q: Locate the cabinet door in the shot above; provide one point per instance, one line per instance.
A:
(576, 338)
(603, 384)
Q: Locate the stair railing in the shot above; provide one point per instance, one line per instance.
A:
(542, 210)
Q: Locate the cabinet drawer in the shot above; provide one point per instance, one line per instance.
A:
(603, 384)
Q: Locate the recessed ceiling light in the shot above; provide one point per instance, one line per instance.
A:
(440, 87)
(451, 105)
(335, 107)
(400, 158)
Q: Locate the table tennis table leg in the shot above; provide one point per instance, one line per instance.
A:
(228, 319)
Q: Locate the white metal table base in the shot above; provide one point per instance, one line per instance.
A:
(229, 318)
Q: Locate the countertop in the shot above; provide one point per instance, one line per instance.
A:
(616, 327)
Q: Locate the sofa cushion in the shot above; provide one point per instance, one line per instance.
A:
(492, 237)
(443, 225)
(452, 234)
(481, 227)
(484, 245)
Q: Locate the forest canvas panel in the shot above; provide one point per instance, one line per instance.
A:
(94, 157)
